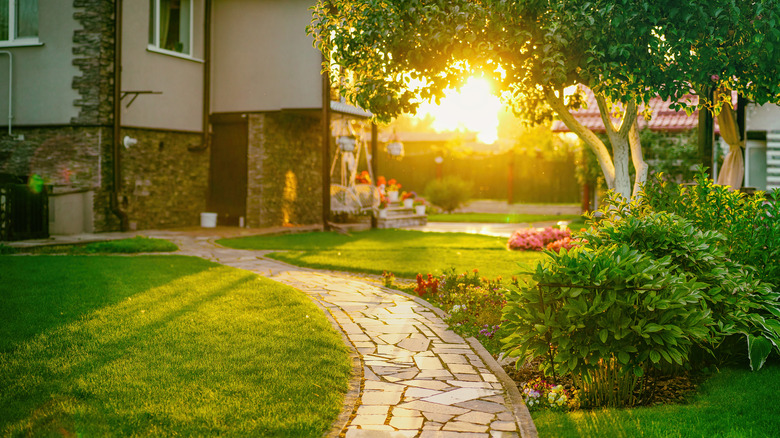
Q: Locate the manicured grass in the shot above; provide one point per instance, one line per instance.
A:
(405, 253)
(498, 218)
(161, 346)
(733, 403)
(122, 246)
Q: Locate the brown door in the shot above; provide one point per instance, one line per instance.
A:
(228, 171)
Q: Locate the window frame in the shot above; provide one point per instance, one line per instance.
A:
(10, 39)
(155, 46)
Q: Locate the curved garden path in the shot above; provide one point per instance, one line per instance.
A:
(419, 379)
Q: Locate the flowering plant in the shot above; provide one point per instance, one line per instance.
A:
(533, 239)
(380, 181)
(388, 278)
(382, 202)
(393, 185)
(363, 178)
(408, 195)
(539, 394)
(418, 202)
(566, 243)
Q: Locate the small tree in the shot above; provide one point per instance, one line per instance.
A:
(448, 193)
(627, 51)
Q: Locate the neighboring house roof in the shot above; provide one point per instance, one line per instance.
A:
(663, 118)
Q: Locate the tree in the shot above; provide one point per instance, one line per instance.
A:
(399, 52)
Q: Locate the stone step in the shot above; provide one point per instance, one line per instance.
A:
(409, 220)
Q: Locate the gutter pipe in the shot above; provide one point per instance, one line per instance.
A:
(10, 90)
(115, 149)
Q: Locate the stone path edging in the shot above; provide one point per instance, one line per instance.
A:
(417, 378)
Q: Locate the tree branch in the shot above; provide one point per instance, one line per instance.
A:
(590, 139)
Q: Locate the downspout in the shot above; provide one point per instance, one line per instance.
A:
(325, 148)
(115, 149)
(206, 108)
(10, 90)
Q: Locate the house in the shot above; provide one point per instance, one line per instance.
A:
(143, 114)
(762, 129)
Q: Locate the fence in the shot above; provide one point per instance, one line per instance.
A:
(535, 179)
(24, 214)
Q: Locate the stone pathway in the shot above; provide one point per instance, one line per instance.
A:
(419, 378)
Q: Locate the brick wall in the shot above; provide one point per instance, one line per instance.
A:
(93, 55)
(284, 170)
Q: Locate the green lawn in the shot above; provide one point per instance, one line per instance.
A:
(161, 346)
(405, 253)
(125, 246)
(499, 218)
(732, 404)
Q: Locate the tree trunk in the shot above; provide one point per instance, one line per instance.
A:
(586, 135)
(638, 159)
(619, 138)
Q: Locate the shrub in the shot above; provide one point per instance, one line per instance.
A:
(749, 223)
(586, 310)
(739, 302)
(448, 193)
(532, 239)
(5, 249)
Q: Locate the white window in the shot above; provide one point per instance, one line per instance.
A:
(18, 21)
(170, 25)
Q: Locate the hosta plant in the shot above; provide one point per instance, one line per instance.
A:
(585, 308)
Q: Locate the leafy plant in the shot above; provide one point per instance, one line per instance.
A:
(539, 393)
(5, 249)
(750, 224)
(740, 303)
(448, 193)
(585, 309)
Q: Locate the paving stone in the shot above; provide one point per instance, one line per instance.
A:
(451, 434)
(431, 425)
(465, 384)
(381, 427)
(461, 369)
(489, 377)
(406, 422)
(362, 420)
(502, 434)
(401, 412)
(468, 377)
(507, 426)
(420, 393)
(459, 395)
(369, 375)
(476, 417)
(461, 426)
(380, 398)
(506, 416)
(450, 358)
(414, 344)
(359, 338)
(383, 386)
(404, 375)
(428, 363)
(483, 406)
(435, 408)
(373, 410)
(393, 338)
(442, 374)
(427, 384)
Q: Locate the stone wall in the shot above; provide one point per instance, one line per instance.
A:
(164, 184)
(284, 183)
(67, 158)
(93, 54)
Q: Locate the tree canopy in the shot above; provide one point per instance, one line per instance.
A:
(399, 52)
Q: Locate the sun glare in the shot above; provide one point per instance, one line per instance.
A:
(474, 108)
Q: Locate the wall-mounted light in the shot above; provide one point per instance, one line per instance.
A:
(129, 141)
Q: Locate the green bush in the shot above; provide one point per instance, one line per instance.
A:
(605, 315)
(740, 303)
(448, 193)
(749, 223)
(5, 249)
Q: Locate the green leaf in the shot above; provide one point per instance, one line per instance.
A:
(603, 334)
(623, 357)
(655, 356)
(758, 350)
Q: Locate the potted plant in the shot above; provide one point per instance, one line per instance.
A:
(408, 199)
(392, 189)
(419, 206)
(381, 184)
(382, 212)
(363, 178)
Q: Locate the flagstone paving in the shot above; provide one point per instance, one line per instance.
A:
(419, 378)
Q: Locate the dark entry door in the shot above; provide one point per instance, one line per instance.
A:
(228, 170)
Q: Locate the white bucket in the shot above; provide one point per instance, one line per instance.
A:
(208, 220)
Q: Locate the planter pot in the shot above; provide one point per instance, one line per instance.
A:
(420, 210)
(383, 214)
(408, 203)
(392, 196)
(208, 220)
